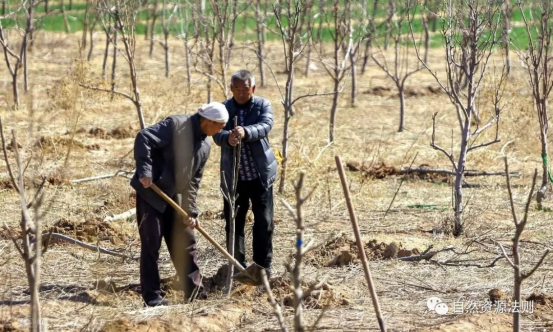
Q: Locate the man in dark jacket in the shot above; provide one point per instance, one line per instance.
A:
(172, 154)
(258, 167)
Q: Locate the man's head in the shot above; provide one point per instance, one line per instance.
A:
(242, 85)
(213, 117)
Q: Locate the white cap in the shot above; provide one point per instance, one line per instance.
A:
(214, 111)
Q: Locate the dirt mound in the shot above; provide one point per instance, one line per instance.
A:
(496, 294)
(90, 231)
(215, 320)
(10, 326)
(382, 171)
(53, 142)
(319, 294)
(117, 133)
(385, 91)
(373, 171)
(6, 184)
(342, 251)
(543, 305)
(474, 323)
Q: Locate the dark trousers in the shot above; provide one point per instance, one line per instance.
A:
(262, 207)
(181, 242)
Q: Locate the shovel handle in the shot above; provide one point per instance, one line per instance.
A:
(198, 227)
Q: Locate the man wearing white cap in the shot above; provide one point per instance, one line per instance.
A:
(172, 154)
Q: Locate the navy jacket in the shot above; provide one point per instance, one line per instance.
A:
(257, 125)
(173, 152)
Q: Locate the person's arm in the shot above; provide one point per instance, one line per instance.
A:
(221, 138)
(191, 192)
(263, 127)
(148, 139)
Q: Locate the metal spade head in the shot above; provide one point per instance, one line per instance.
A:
(250, 276)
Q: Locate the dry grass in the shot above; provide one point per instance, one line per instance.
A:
(365, 134)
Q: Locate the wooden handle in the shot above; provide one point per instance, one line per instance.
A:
(360, 244)
(198, 227)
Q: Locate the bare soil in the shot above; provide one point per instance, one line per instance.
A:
(66, 132)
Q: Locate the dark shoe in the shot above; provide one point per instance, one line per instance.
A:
(160, 301)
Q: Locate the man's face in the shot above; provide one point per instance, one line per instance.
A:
(211, 128)
(242, 91)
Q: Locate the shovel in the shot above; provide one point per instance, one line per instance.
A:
(248, 276)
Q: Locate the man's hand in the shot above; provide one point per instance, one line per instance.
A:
(146, 181)
(232, 140)
(191, 222)
(239, 132)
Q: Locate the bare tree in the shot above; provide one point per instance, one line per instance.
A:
(123, 13)
(155, 14)
(515, 261)
(109, 30)
(184, 36)
(204, 61)
(29, 243)
(90, 28)
(342, 36)
(371, 31)
(467, 58)
(17, 58)
(289, 24)
(261, 20)
(295, 267)
(425, 16)
(537, 59)
(168, 17)
(506, 12)
(401, 69)
(389, 22)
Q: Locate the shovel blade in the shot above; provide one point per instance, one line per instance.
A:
(250, 276)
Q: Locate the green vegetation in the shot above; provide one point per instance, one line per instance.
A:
(246, 23)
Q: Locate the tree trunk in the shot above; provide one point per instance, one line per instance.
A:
(25, 73)
(91, 31)
(353, 77)
(146, 24)
(114, 63)
(233, 28)
(46, 8)
(518, 280)
(284, 151)
(506, 11)
(401, 90)
(106, 53)
(333, 110)
(542, 192)
(260, 43)
(153, 30)
(24, 43)
(426, 34)
(370, 36)
(70, 4)
(459, 175)
(166, 47)
(14, 88)
(188, 73)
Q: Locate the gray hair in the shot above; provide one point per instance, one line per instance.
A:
(243, 75)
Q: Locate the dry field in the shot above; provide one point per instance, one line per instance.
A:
(86, 291)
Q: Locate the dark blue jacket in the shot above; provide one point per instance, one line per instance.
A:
(173, 153)
(257, 125)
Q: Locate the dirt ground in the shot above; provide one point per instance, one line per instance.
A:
(68, 133)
